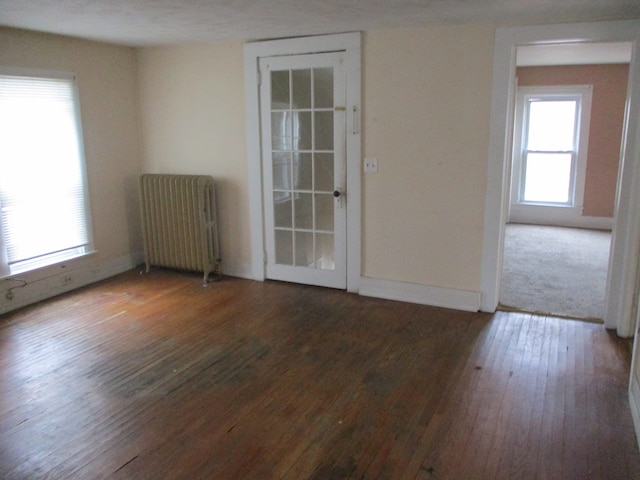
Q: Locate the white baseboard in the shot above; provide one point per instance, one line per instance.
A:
(234, 268)
(421, 294)
(558, 217)
(56, 280)
(634, 399)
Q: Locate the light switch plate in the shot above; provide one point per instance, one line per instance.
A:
(371, 165)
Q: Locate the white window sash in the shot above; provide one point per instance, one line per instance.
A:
(581, 93)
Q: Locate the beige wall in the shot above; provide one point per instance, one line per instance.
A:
(193, 121)
(426, 96)
(605, 130)
(107, 82)
(426, 118)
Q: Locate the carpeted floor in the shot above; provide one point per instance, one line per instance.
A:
(555, 270)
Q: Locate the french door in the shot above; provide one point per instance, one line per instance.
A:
(303, 131)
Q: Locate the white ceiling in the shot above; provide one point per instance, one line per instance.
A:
(164, 22)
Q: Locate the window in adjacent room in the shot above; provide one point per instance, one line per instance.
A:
(550, 145)
(44, 211)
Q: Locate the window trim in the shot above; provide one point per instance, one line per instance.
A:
(534, 212)
(53, 259)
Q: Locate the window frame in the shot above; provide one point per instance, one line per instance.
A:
(524, 210)
(54, 258)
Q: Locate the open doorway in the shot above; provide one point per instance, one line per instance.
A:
(568, 124)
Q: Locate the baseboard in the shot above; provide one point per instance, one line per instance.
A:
(558, 217)
(634, 399)
(233, 268)
(16, 293)
(421, 294)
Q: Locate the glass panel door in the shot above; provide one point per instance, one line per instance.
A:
(304, 172)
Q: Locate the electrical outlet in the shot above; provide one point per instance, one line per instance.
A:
(371, 165)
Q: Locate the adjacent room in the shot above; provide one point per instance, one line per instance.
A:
(557, 243)
(328, 305)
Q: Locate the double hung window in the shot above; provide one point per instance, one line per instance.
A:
(44, 211)
(550, 146)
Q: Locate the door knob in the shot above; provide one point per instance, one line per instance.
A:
(336, 193)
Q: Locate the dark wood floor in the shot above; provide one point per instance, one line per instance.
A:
(155, 377)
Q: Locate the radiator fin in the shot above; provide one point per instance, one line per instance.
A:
(179, 223)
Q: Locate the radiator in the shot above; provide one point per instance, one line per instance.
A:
(179, 224)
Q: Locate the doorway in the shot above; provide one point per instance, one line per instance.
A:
(622, 285)
(564, 177)
(303, 142)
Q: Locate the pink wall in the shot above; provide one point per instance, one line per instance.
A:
(607, 114)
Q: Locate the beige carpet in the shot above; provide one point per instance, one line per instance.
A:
(555, 270)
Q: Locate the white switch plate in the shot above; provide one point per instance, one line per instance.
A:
(371, 165)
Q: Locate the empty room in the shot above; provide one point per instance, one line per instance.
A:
(266, 240)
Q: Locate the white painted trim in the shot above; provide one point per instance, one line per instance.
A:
(251, 89)
(422, 294)
(634, 387)
(237, 269)
(626, 237)
(350, 44)
(559, 217)
(634, 403)
(46, 285)
(353, 59)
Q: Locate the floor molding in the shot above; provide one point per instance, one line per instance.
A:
(421, 294)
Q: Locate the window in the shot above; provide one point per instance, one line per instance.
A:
(550, 146)
(43, 192)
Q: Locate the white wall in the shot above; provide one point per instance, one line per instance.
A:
(193, 122)
(426, 95)
(426, 118)
(107, 83)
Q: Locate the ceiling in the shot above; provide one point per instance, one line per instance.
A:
(169, 22)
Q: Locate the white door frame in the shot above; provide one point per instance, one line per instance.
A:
(349, 43)
(623, 262)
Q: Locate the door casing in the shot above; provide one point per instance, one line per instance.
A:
(623, 266)
(350, 44)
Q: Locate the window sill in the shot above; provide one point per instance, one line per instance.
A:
(54, 268)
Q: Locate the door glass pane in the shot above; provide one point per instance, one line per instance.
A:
(280, 90)
(284, 247)
(323, 172)
(547, 177)
(302, 131)
(281, 171)
(324, 212)
(282, 212)
(325, 258)
(323, 87)
(551, 125)
(304, 249)
(281, 131)
(301, 80)
(303, 171)
(303, 205)
(324, 130)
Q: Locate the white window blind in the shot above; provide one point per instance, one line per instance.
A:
(43, 204)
